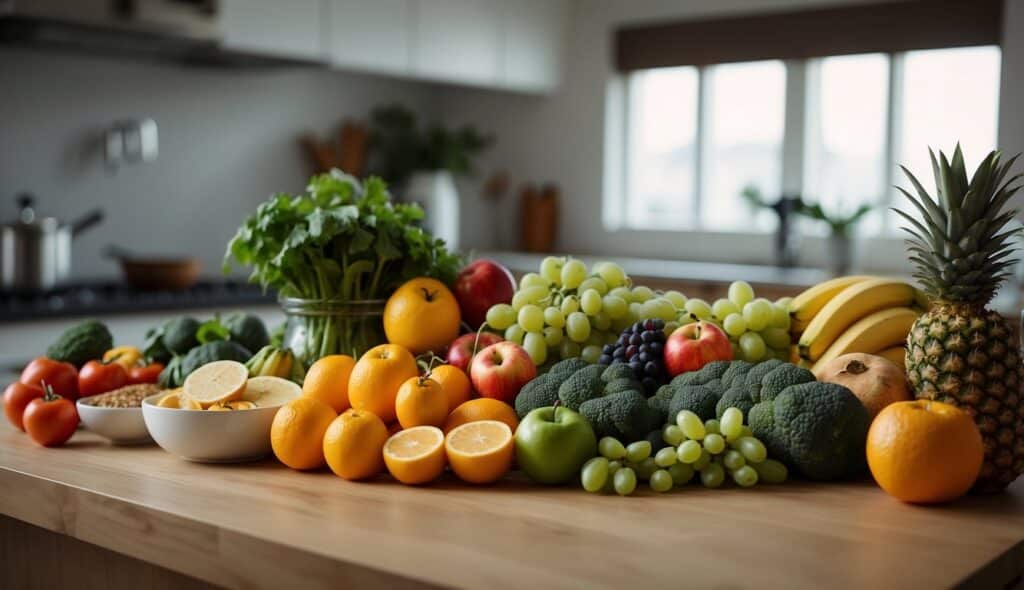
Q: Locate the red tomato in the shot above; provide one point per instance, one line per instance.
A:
(96, 377)
(50, 420)
(16, 397)
(62, 377)
(147, 374)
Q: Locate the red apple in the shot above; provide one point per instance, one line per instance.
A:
(460, 353)
(479, 286)
(694, 345)
(501, 370)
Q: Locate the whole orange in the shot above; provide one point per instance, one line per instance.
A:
(422, 315)
(924, 452)
(297, 433)
(353, 445)
(327, 380)
(375, 379)
(483, 408)
(421, 402)
(455, 384)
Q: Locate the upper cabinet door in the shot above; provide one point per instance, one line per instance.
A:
(293, 28)
(533, 38)
(458, 40)
(371, 35)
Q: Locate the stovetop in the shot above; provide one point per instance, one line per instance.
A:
(104, 298)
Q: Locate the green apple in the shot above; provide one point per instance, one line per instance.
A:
(553, 443)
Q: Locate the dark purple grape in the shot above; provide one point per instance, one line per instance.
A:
(650, 384)
(620, 353)
(631, 351)
(651, 369)
(636, 366)
(643, 357)
(608, 349)
(604, 360)
(635, 339)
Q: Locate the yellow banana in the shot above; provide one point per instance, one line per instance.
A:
(872, 334)
(851, 304)
(807, 304)
(896, 354)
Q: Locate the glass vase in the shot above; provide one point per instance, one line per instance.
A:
(317, 328)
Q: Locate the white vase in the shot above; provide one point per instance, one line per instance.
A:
(435, 191)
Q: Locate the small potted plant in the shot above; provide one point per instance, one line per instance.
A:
(423, 164)
(841, 233)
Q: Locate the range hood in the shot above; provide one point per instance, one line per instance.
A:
(183, 31)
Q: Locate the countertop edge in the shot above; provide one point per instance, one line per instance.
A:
(211, 553)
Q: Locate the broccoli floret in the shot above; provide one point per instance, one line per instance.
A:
(818, 428)
(247, 330)
(81, 343)
(742, 397)
(617, 371)
(699, 399)
(624, 415)
(179, 334)
(541, 392)
(781, 377)
(736, 373)
(623, 384)
(581, 386)
(568, 367)
(758, 371)
(657, 440)
(708, 372)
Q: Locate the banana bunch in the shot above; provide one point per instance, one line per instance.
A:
(271, 361)
(865, 314)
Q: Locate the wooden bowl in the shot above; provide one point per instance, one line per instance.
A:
(161, 274)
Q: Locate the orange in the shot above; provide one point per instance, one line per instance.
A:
(353, 445)
(376, 378)
(455, 384)
(415, 455)
(924, 451)
(327, 380)
(480, 452)
(421, 402)
(422, 315)
(484, 408)
(297, 432)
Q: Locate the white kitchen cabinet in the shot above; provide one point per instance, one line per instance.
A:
(371, 36)
(533, 34)
(288, 29)
(458, 41)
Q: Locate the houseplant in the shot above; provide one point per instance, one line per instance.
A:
(423, 163)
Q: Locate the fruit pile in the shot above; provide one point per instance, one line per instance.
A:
(642, 347)
(716, 449)
(854, 314)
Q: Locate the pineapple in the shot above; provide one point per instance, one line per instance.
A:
(959, 352)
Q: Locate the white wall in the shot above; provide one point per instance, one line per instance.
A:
(562, 139)
(228, 139)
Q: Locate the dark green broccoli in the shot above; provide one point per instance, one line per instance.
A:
(699, 399)
(622, 384)
(742, 397)
(247, 330)
(581, 386)
(568, 366)
(624, 415)
(757, 373)
(661, 398)
(81, 343)
(818, 428)
(736, 373)
(781, 377)
(179, 334)
(617, 371)
(708, 372)
(541, 392)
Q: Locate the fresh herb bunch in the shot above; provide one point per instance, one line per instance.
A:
(341, 241)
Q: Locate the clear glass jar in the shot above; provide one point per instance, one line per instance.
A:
(316, 328)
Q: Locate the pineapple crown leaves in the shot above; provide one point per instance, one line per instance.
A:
(956, 241)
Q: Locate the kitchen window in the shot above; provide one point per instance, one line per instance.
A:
(697, 136)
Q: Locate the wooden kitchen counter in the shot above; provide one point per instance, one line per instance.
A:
(261, 525)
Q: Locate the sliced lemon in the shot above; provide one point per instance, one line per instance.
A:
(218, 408)
(480, 452)
(241, 405)
(269, 392)
(177, 399)
(217, 382)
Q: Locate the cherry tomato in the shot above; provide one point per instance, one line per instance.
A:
(147, 374)
(50, 420)
(16, 397)
(62, 377)
(96, 377)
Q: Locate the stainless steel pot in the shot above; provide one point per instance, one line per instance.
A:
(35, 252)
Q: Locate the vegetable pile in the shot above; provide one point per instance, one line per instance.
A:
(185, 344)
(340, 241)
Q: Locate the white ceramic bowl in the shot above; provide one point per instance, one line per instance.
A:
(210, 437)
(123, 426)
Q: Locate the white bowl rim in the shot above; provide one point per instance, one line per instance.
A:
(79, 403)
(150, 401)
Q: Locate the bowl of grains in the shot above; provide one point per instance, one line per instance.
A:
(117, 414)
